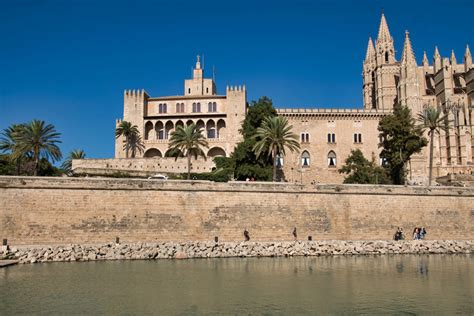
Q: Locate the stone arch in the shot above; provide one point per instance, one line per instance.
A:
(159, 130)
(189, 122)
(216, 152)
(332, 159)
(149, 130)
(168, 129)
(305, 159)
(200, 125)
(179, 123)
(220, 128)
(152, 153)
(176, 153)
(211, 129)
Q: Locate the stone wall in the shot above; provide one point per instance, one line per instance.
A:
(208, 249)
(142, 167)
(93, 210)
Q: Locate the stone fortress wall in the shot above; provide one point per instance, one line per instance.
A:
(140, 166)
(76, 210)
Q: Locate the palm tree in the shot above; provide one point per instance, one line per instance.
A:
(8, 144)
(273, 137)
(131, 134)
(188, 141)
(39, 139)
(75, 154)
(433, 120)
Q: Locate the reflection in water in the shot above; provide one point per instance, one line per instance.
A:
(359, 284)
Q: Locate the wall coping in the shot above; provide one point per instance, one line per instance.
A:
(66, 183)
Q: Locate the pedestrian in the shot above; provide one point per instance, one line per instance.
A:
(422, 233)
(294, 233)
(415, 234)
(246, 235)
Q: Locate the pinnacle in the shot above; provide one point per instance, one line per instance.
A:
(384, 33)
(436, 53)
(453, 58)
(425, 59)
(370, 55)
(408, 56)
(468, 52)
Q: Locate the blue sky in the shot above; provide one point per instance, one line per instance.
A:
(68, 62)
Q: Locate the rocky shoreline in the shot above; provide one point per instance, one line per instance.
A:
(185, 250)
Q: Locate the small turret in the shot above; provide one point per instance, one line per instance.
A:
(425, 63)
(453, 59)
(467, 59)
(408, 57)
(436, 60)
(370, 55)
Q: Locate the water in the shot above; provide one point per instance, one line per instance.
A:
(439, 284)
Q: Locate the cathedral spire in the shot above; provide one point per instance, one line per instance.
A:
(384, 33)
(384, 44)
(467, 59)
(370, 55)
(453, 58)
(436, 60)
(408, 57)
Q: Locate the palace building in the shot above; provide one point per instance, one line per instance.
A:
(327, 136)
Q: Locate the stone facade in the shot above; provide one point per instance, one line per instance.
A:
(219, 116)
(327, 135)
(47, 211)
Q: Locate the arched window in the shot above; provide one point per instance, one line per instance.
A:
(212, 107)
(332, 162)
(211, 129)
(207, 90)
(357, 138)
(159, 129)
(305, 137)
(194, 107)
(148, 130)
(386, 57)
(179, 107)
(198, 107)
(162, 108)
(189, 90)
(331, 138)
(305, 159)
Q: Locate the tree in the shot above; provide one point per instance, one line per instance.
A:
(400, 139)
(132, 137)
(433, 120)
(362, 171)
(75, 154)
(8, 144)
(243, 160)
(189, 142)
(274, 136)
(40, 140)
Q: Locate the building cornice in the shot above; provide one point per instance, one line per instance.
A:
(187, 97)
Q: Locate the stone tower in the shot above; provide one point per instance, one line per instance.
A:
(409, 85)
(381, 71)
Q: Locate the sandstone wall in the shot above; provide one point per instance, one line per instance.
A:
(75, 210)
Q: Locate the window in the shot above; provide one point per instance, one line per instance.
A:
(196, 107)
(386, 57)
(357, 138)
(305, 137)
(332, 159)
(179, 107)
(331, 138)
(162, 108)
(207, 90)
(305, 159)
(212, 107)
(189, 90)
